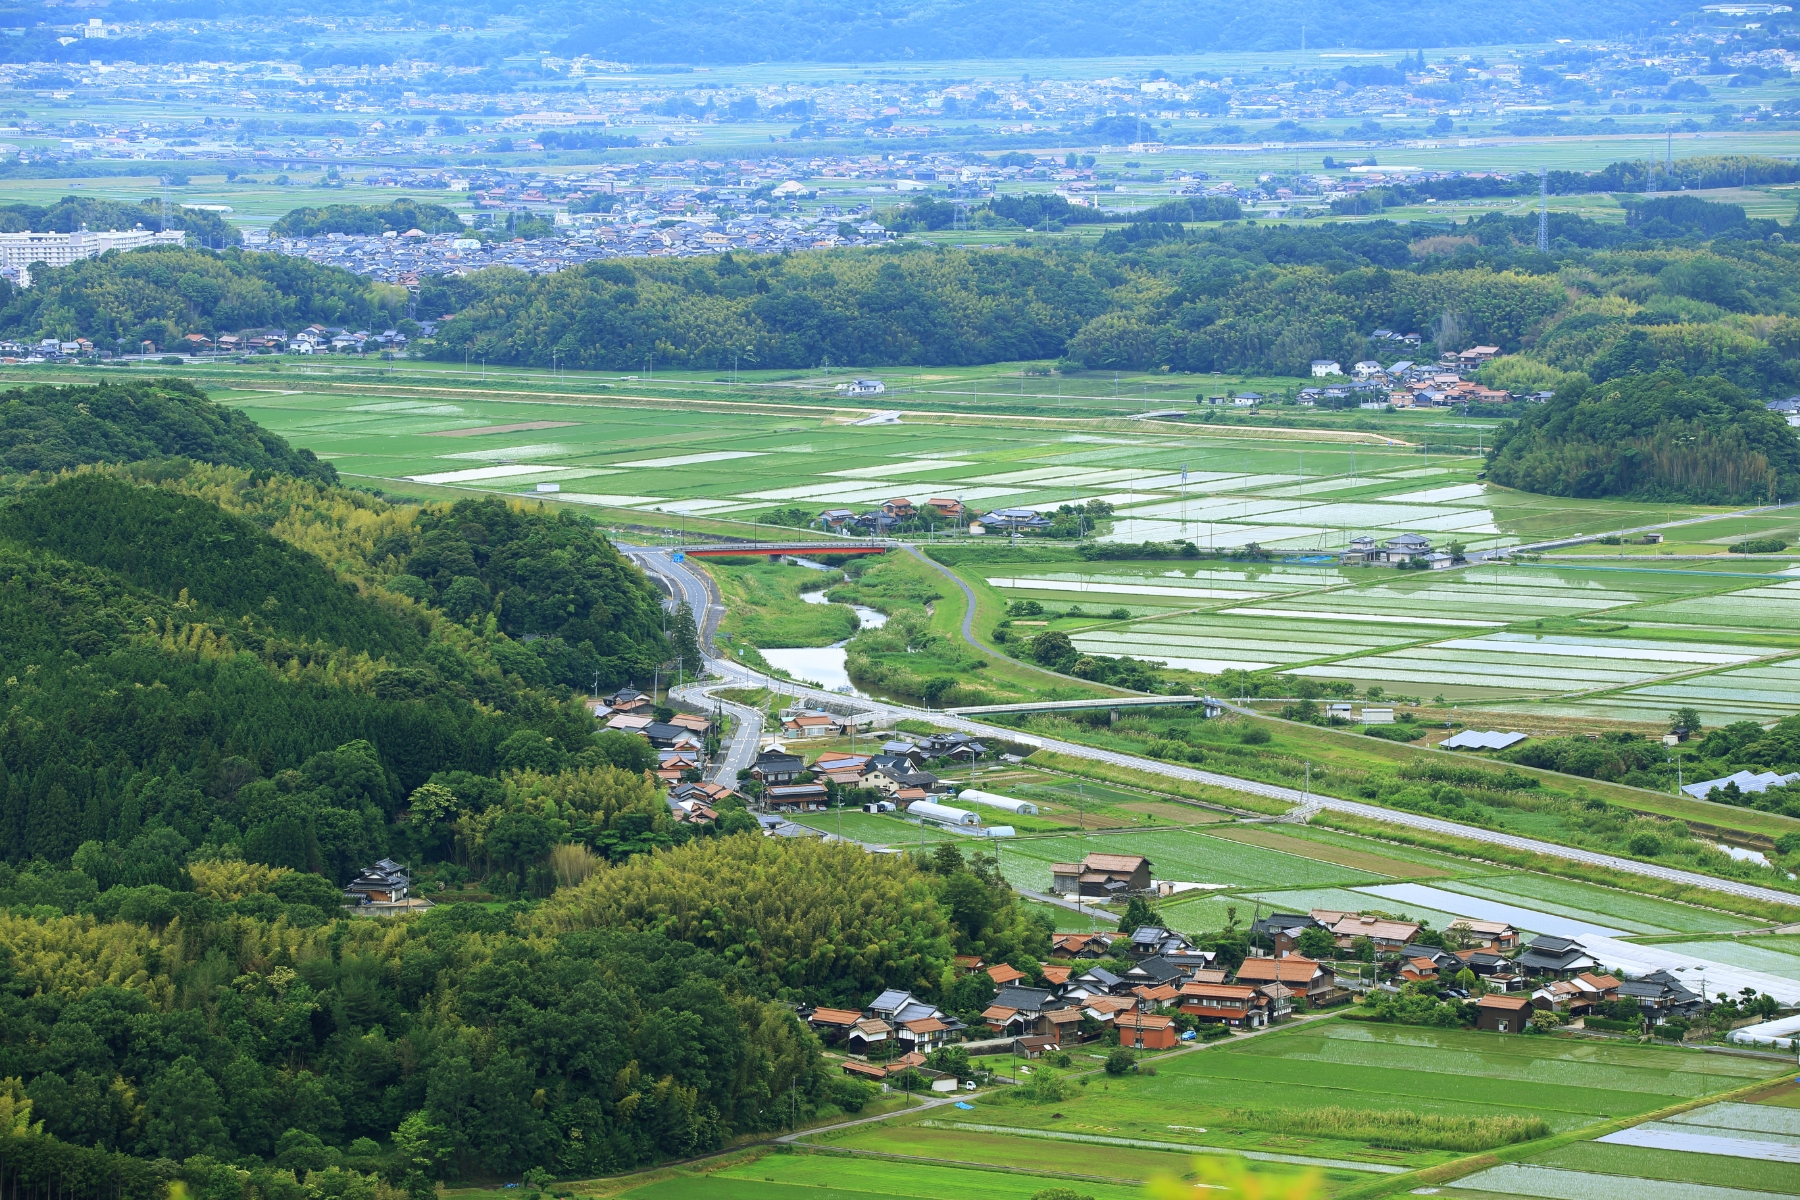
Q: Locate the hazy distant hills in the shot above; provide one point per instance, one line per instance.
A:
(705, 31)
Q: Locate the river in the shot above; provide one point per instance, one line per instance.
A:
(824, 665)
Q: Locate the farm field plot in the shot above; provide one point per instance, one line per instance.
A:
(1537, 662)
(1024, 1153)
(1361, 858)
(1201, 1097)
(1176, 854)
(1205, 912)
(1771, 605)
(1522, 916)
(1763, 692)
(1723, 1151)
(828, 1177)
(1643, 914)
(1752, 956)
(1213, 641)
(1095, 805)
(875, 829)
(1644, 1162)
(1300, 900)
(1448, 864)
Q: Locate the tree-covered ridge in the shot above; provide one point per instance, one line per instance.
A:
(162, 294)
(397, 217)
(189, 551)
(177, 671)
(551, 579)
(1230, 298)
(1659, 436)
(50, 428)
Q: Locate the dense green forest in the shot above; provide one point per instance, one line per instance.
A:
(164, 293)
(1689, 285)
(397, 217)
(54, 428)
(1659, 436)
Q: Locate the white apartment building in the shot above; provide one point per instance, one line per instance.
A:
(19, 250)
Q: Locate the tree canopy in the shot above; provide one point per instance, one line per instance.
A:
(396, 217)
(51, 428)
(1660, 436)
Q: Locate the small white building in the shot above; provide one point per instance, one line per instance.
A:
(1321, 367)
(862, 387)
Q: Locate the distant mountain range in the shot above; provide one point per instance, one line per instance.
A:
(706, 31)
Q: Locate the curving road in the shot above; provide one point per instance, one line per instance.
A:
(732, 674)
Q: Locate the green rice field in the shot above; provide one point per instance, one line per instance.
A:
(1189, 1104)
(1571, 898)
(1178, 854)
(830, 1177)
(1742, 1151)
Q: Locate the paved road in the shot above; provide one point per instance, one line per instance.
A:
(746, 733)
(737, 675)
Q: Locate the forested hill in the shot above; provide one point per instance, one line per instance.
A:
(48, 428)
(185, 549)
(209, 730)
(1654, 437)
(1694, 286)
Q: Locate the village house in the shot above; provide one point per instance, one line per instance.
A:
(1102, 875)
(695, 724)
(810, 725)
(832, 1024)
(777, 766)
(1081, 945)
(946, 509)
(1148, 941)
(1281, 931)
(626, 722)
(894, 776)
(1154, 972)
(384, 883)
(1418, 970)
(1661, 994)
(1281, 1001)
(1147, 1031)
(1502, 1014)
(845, 770)
(868, 1035)
(796, 797)
(1490, 935)
(1237, 1005)
(1556, 957)
(1387, 935)
(1301, 976)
